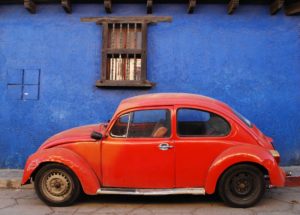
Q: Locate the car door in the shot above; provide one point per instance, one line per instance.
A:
(201, 136)
(138, 151)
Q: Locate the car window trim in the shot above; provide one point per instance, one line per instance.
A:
(126, 134)
(168, 108)
(177, 108)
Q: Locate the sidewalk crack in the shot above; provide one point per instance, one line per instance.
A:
(10, 205)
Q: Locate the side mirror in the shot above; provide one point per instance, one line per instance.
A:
(96, 135)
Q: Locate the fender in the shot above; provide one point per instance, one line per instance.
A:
(242, 154)
(86, 175)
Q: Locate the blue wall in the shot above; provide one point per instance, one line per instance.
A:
(250, 60)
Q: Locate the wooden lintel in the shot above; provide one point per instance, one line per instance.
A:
(66, 4)
(232, 5)
(292, 9)
(126, 19)
(275, 6)
(108, 6)
(125, 84)
(192, 5)
(30, 6)
(149, 6)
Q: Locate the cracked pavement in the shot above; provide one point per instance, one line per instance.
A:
(25, 201)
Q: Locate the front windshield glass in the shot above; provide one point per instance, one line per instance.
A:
(244, 119)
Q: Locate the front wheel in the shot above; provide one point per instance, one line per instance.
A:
(57, 185)
(242, 186)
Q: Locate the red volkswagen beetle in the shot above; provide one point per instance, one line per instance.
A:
(159, 144)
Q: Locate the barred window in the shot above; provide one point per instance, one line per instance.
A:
(124, 55)
(124, 49)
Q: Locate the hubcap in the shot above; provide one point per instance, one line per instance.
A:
(241, 184)
(57, 185)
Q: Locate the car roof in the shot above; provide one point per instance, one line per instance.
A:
(165, 99)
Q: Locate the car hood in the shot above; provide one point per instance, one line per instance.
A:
(78, 134)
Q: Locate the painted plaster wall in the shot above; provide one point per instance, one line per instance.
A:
(250, 60)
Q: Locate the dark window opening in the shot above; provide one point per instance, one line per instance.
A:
(192, 122)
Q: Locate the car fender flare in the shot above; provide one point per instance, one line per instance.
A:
(243, 154)
(86, 175)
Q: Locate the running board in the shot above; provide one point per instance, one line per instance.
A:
(152, 192)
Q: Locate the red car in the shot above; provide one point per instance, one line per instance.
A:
(159, 144)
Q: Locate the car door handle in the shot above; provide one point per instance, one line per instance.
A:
(165, 146)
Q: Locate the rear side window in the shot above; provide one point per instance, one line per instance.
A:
(144, 123)
(194, 122)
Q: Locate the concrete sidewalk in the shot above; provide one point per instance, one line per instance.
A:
(11, 178)
(280, 201)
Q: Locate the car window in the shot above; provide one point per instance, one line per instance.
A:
(144, 123)
(149, 116)
(193, 115)
(120, 127)
(194, 122)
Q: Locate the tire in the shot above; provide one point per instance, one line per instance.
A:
(242, 186)
(57, 185)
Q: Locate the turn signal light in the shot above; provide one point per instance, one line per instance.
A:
(276, 155)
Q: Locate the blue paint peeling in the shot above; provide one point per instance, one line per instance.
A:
(250, 60)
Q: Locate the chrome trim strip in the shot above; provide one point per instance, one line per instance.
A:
(152, 192)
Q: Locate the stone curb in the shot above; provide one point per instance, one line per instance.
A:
(11, 178)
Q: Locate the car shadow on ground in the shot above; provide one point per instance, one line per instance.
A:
(132, 199)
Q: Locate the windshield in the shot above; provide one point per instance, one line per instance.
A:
(244, 119)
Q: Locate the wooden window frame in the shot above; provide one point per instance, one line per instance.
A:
(143, 21)
(105, 81)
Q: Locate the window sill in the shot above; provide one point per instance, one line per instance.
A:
(127, 84)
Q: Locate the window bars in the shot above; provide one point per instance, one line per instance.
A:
(124, 52)
(124, 49)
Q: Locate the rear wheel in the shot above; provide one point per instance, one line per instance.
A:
(57, 185)
(242, 186)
